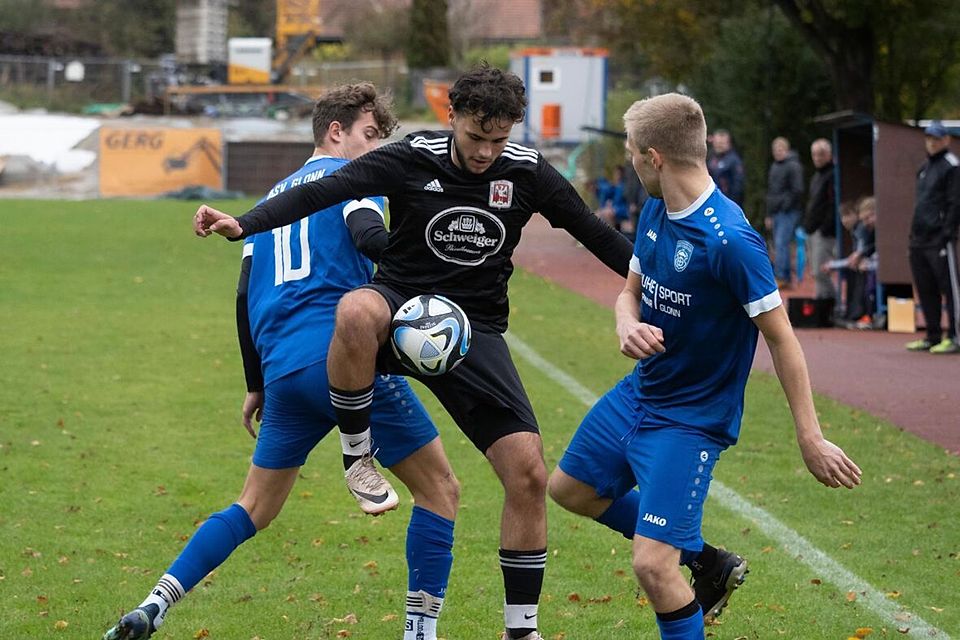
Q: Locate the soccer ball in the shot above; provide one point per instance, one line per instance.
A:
(430, 334)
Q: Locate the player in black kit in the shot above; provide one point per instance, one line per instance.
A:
(458, 203)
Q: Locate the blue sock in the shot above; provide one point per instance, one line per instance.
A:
(213, 542)
(622, 514)
(429, 552)
(683, 624)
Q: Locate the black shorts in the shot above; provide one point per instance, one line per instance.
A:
(483, 394)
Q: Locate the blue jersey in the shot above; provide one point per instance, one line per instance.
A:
(705, 274)
(298, 275)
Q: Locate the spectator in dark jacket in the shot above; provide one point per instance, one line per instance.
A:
(725, 166)
(933, 238)
(820, 220)
(784, 192)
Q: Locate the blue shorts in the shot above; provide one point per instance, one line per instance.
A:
(297, 414)
(613, 451)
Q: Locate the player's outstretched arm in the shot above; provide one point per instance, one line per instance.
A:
(825, 460)
(638, 339)
(208, 220)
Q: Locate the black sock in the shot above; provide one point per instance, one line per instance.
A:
(352, 408)
(682, 613)
(704, 562)
(522, 583)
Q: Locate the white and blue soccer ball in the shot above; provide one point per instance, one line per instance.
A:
(430, 334)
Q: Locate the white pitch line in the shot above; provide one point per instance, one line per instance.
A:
(795, 544)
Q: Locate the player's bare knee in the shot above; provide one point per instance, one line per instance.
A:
(361, 313)
(650, 570)
(526, 482)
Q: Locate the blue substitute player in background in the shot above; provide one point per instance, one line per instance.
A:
(291, 281)
(699, 289)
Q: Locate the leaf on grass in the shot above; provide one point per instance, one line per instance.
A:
(935, 609)
(642, 601)
(317, 542)
(893, 594)
(362, 540)
(60, 625)
(26, 573)
(371, 566)
(846, 522)
(851, 596)
(318, 598)
(160, 490)
(766, 549)
(390, 617)
(862, 632)
(201, 633)
(816, 581)
(343, 633)
(903, 616)
(601, 600)
(918, 483)
(620, 573)
(559, 636)
(42, 599)
(574, 597)
(903, 630)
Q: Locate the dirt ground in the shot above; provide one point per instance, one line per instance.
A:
(870, 370)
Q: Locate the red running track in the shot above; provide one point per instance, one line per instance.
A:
(870, 370)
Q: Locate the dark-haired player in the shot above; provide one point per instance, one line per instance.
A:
(458, 203)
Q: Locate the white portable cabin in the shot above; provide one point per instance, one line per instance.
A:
(566, 90)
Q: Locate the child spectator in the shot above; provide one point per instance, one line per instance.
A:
(859, 268)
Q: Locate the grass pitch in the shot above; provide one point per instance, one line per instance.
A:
(120, 392)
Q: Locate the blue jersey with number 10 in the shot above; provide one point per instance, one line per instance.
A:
(705, 274)
(298, 275)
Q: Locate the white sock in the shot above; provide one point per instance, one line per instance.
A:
(420, 627)
(422, 612)
(166, 594)
(355, 444)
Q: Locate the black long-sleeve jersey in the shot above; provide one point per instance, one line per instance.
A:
(452, 232)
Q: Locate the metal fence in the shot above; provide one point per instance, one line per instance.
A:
(71, 83)
(62, 83)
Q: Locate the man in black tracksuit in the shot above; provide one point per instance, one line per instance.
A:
(933, 237)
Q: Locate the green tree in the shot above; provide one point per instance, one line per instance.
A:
(428, 44)
(890, 58)
(765, 81)
(252, 19)
(136, 28)
(17, 16)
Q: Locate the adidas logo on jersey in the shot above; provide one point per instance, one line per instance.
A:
(433, 185)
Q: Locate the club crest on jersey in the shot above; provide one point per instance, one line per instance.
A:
(501, 194)
(682, 255)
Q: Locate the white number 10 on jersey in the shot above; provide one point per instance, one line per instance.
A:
(283, 260)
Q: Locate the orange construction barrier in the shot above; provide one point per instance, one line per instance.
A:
(437, 94)
(550, 121)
